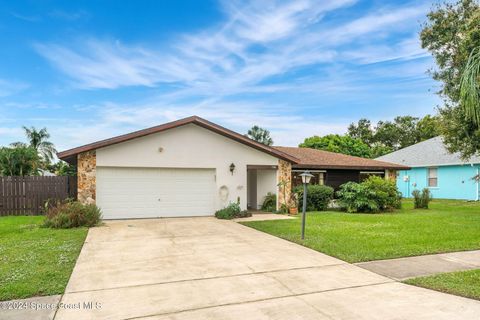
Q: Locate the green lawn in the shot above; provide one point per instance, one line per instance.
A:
(34, 260)
(448, 225)
(465, 283)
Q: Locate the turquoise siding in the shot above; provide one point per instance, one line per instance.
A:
(454, 182)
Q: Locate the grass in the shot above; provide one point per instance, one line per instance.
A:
(464, 283)
(449, 225)
(36, 261)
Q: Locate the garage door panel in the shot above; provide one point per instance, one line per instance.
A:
(155, 192)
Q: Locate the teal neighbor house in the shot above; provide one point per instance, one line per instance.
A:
(433, 167)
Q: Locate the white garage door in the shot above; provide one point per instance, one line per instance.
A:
(155, 192)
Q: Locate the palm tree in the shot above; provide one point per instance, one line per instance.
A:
(260, 135)
(470, 87)
(38, 140)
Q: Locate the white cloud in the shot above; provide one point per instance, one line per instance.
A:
(258, 41)
(256, 51)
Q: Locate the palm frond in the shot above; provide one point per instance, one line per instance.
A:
(470, 87)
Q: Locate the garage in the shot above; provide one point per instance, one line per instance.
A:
(127, 193)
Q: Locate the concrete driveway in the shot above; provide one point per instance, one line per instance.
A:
(203, 268)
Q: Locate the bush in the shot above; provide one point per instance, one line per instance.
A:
(421, 199)
(372, 195)
(318, 197)
(71, 214)
(270, 202)
(232, 211)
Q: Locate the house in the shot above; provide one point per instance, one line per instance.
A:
(433, 167)
(193, 167)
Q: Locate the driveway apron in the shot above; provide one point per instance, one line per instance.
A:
(204, 268)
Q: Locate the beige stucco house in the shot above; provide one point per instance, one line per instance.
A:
(193, 167)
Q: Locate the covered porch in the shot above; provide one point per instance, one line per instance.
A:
(261, 180)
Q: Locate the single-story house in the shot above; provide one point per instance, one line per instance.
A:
(193, 167)
(433, 167)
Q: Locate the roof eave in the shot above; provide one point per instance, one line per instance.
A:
(346, 167)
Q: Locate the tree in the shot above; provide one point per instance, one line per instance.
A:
(337, 143)
(428, 127)
(260, 135)
(451, 34)
(362, 130)
(38, 140)
(400, 133)
(388, 136)
(62, 168)
(18, 161)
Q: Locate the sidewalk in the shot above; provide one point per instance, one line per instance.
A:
(412, 267)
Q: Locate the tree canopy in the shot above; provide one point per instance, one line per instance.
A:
(22, 159)
(260, 135)
(38, 140)
(451, 34)
(338, 143)
(18, 161)
(371, 141)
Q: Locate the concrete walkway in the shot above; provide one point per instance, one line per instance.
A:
(204, 268)
(412, 267)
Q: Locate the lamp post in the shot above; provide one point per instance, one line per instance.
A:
(306, 176)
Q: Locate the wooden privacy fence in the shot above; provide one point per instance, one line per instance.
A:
(27, 195)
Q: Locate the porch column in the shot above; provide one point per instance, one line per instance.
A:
(391, 175)
(284, 183)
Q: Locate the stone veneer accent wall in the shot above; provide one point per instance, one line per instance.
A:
(391, 175)
(86, 173)
(284, 175)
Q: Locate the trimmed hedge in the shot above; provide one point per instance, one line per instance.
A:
(318, 197)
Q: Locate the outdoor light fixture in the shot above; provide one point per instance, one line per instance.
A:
(306, 177)
(232, 168)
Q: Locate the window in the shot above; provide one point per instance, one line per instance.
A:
(432, 177)
(318, 178)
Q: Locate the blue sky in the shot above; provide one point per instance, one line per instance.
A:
(89, 70)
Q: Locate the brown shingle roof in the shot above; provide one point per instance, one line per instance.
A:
(319, 159)
(70, 155)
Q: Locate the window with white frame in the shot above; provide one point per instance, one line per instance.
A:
(432, 177)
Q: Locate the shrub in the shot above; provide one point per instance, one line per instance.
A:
(372, 195)
(318, 197)
(232, 211)
(270, 202)
(243, 214)
(421, 199)
(71, 214)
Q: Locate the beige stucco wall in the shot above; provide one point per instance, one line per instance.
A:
(191, 146)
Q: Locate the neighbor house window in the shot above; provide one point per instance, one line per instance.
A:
(432, 177)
